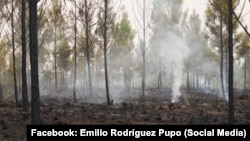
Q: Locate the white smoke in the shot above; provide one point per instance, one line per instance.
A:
(174, 51)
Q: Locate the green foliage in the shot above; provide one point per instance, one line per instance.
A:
(216, 16)
(244, 46)
(92, 28)
(124, 36)
(3, 54)
(200, 53)
(171, 17)
(123, 44)
(64, 52)
(125, 33)
(170, 12)
(55, 12)
(111, 24)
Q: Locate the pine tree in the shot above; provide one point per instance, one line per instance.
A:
(35, 97)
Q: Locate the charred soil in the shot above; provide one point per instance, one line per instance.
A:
(193, 108)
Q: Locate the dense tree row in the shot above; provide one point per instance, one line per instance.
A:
(84, 45)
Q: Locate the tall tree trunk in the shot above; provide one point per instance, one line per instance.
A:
(125, 80)
(197, 79)
(35, 97)
(143, 51)
(160, 78)
(85, 77)
(188, 84)
(74, 85)
(55, 58)
(88, 49)
(43, 82)
(226, 70)
(159, 82)
(61, 79)
(24, 74)
(13, 51)
(221, 56)
(105, 50)
(245, 72)
(231, 60)
(1, 92)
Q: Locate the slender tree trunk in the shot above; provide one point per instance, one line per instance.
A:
(221, 56)
(24, 74)
(105, 50)
(226, 71)
(28, 76)
(188, 84)
(125, 81)
(88, 49)
(197, 79)
(35, 97)
(55, 57)
(245, 73)
(231, 60)
(74, 87)
(159, 82)
(13, 51)
(160, 78)
(208, 82)
(143, 51)
(61, 79)
(85, 77)
(43, 82)
(1, 92)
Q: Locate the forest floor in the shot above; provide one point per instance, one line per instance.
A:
(193, 108)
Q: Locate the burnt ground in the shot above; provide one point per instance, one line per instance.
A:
(193, 108)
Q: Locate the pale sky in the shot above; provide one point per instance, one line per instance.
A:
(198, 5)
